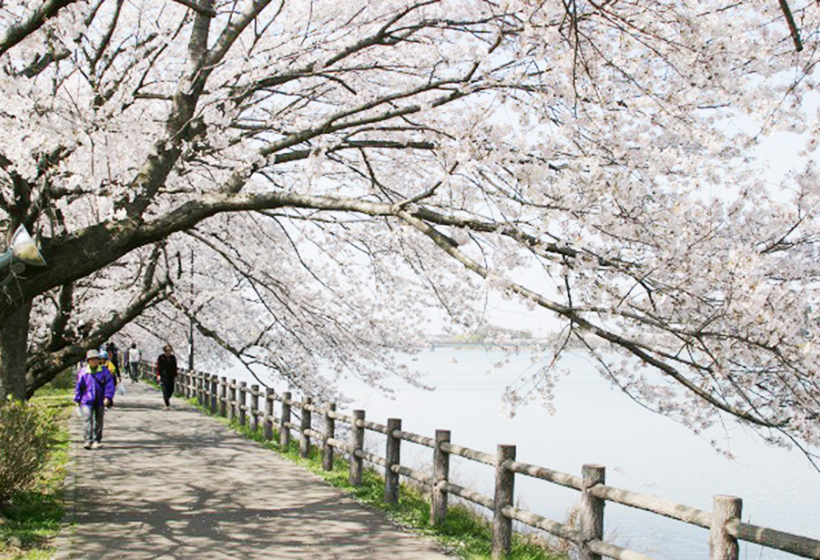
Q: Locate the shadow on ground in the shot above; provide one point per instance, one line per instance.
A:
(178, 484)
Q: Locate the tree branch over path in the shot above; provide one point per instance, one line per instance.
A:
(43, 365)
(639, 350)
(190, 214)
(337, 170)
(18, 32)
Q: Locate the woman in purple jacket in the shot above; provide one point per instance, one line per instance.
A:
(94, 393)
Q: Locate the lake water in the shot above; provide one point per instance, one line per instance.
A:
(596, 424)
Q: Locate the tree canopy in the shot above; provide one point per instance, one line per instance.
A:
(302, 180)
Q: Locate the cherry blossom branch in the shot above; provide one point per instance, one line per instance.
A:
(638, 349)
(22, 29)
(795, 33)
(205, 9)
(43, 364)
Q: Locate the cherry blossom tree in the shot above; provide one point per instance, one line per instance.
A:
(300, 181)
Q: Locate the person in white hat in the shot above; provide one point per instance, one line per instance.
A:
(93, 394)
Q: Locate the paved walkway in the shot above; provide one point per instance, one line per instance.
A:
(178, 484)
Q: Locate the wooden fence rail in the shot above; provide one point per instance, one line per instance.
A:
(229, 399)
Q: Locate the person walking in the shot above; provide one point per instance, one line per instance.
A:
(93, 394)
(133, 357)
(167, 373)
(113, 354)
(105, 361)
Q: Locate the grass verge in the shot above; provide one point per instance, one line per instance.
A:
(31, 520)
(465, 533)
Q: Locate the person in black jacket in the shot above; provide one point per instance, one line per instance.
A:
(166, 373)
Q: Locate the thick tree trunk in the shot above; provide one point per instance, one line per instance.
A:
(13, 352)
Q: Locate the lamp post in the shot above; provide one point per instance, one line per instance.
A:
(190, 319)
(22, 252)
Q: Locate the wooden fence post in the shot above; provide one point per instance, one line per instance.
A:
(330, 432)
(200, 387)
(356, 444)
(232, 400)
(223, 396)
(243, 387)
(254, 408)
(441, 473)
(504, 496)
(214, 394)
(392, 458)
(304, 427)
(591, 512)
(284, 433)
(186, 388)
(268, 425)
(722, 545)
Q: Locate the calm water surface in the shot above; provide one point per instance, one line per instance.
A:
(597, 424)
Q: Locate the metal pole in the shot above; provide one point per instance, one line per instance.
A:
(190, 319)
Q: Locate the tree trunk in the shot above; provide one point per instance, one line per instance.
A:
(13, 352)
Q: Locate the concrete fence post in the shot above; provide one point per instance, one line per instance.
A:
(591, 512)
(254, 408)
(503, 498)
(267, 427)
(241, 409)
(214, 394)
(392, 459)
(356, 444)
(304, 428)
(722, 545)
(223, 396)
(330, 433)
(441, 473)
(284, 433)
(232, 400)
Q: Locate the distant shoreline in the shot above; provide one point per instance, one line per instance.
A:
(537, 344)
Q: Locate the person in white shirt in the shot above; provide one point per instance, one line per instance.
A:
(133, 357)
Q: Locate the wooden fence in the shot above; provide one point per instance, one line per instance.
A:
(229, 398)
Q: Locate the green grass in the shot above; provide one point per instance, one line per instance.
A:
(465, 533)
(33, 518)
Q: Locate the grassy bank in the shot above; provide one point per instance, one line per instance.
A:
(465, 533)
(31, 520)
